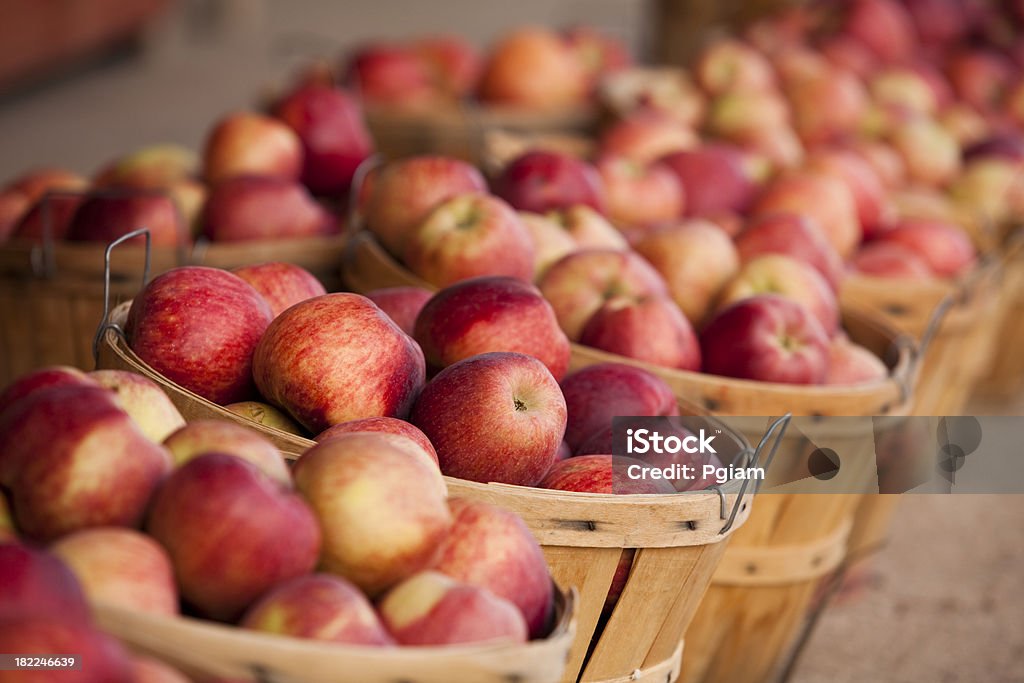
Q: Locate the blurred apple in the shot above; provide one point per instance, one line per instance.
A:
(49, 218)
(945, 248)
(36, 583)
(730, 65)
(382, 425)
(534, 68)
(824, 198)
(884, 26)
(45, 636)
(891, 260)
(980, 77)
(13, 205)
(851, 363)
(827, 105)
(455, 65)
(602, 473)
(729, 115)
(259, 208)
(793, 235)
(541, 181)
(861, 180)
(281, 285)
(247, 144)
(991, 188)
(143, 400)
(104, 218)
(598, 52)
(220, 436)
(43, 378)
(392, 75)
(715, 177)
(931, 154)
(36, 182)
(588, 228)
(402, 304)
(901, 89)
(266, 415)
(638, 194)
(965, 124)
(650, 329)
(886, 162)
(550, 241)
(155, 166)
(669, 92)
(646, 136)
(150, 670)
(849, 53)
(7, 530)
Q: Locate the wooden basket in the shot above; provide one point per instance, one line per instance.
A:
(1004, 377)
(680, 539)
(208, 649)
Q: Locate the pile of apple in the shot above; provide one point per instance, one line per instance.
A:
(532, 68)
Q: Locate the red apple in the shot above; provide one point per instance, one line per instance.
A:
(767, 338)
(433, 609)
(822, 197)
(337, 358)
(588, 228)
(402, 304)
(729, 115)
(551, 241)
(598, 52)
(469, 236)
(282, 285)
(403, 193)
(729, 65)
(886, 162)
(851, 363)
(199, 328)
(581, 282)
(715, 177)
(980, 77)
(232, 533)
(667, 91)
(532, 67)
(491, 314)
(334, 137)
(945, 247)
(939, 22)
(455, 65)
(246, 144)
(7, 530)
(34, 582)
(793, 235)
(103, 659)
(542, 181)
(49, 218)
(827, 105)
(121, 567)
(43, 378)
(155, 166)
(640, 195)
(891, 260)
(318, 607)
(220, 436)
(646, 136)
(602, 474)
(37, 182)
(13, 205)
(149, 670)
(517, 414)
(884, 26)
(266, 415)
(930, 152)
(861, 180)
(850, 54)
(143, 400)
(72, 459)
(392, 76)
(651, 329)
(102, 218)
(382, 425)
(347, 476)
(257, 208)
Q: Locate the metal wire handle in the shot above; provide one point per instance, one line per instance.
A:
(780, 424)
(105, 323)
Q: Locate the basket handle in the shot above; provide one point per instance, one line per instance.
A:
(780, 424)
(355, 219)
(906, 375)
(42, 254)
(105, 323)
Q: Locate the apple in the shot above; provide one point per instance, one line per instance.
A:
(455, 65)
(550, 240)
(318, 607)
(43, 378)
(598, 52)
(788, 277)
(346, 477)
(730, 65)
(891, 260)
(939, 22)
(49, 218)
(667, 91)
(390, 75)
(773, 151)
(822, 197)
(931, 154)
(104, 218)
(403, 193)
(990, 187)
(36, 182)
(597, 393)
(402, 304)
(247, 144)
(542, 180)
(696, 259)
(20, 195)
(382, 425)
(850, 54)
(149, 670)
(337, 358)
(715, 177)
(517, 411)
(827, 105)
(469, 236)
(433, 609)
(602, 473)
(902, 89)
(945, 247)
(578, 284)
(729, 115)
(646, 136)
(71, 459)
(533, 68)
(588, 228)
(281, 285)
(155, 166)
(7, 530)
(143, 400)
(851, 363)
(886, 162)
(884, 26)
(492, 548)
(34, 582)
(650, 329)
(980, 77)
(103, 659)
(232, 533)
(13, 205)
(491, 314)
(638, 194)
(335, 141)
(861, 180)
(794, 235)
(121, 567)
(260, 208)
(220, 436)
(206, 347)
(266, 415)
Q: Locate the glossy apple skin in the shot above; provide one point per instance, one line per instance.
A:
(767, 338)
(385, 425)
(144, 400)
(71, 458)
(794, 235)
(469, 236)
(402, 304)
(540, 181)
(851, 363)
(121, 567)
(601, 474)
(43, 378)
(640, 195)
(824, 198)
(232, 533)
(337, 358)
(580, 283)
(516, 409)
(247, 144)
(103, 658)
(492, 548)
(260, 208)
(491, 314)
(652, 330)
(945, 248)
(318, 607)
(347, 476)
(433, 609)
(222, 436)
(597, 393)
(208, 347)
(715, 177)
(102, 218)
(281, 285)
(34, 582)
(533, 68)
(335, 140)
(891, 260)
(404, 192)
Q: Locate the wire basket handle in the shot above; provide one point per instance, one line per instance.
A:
(105, 323)
(779, 424)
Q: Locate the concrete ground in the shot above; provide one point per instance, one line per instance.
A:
(947, 605)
